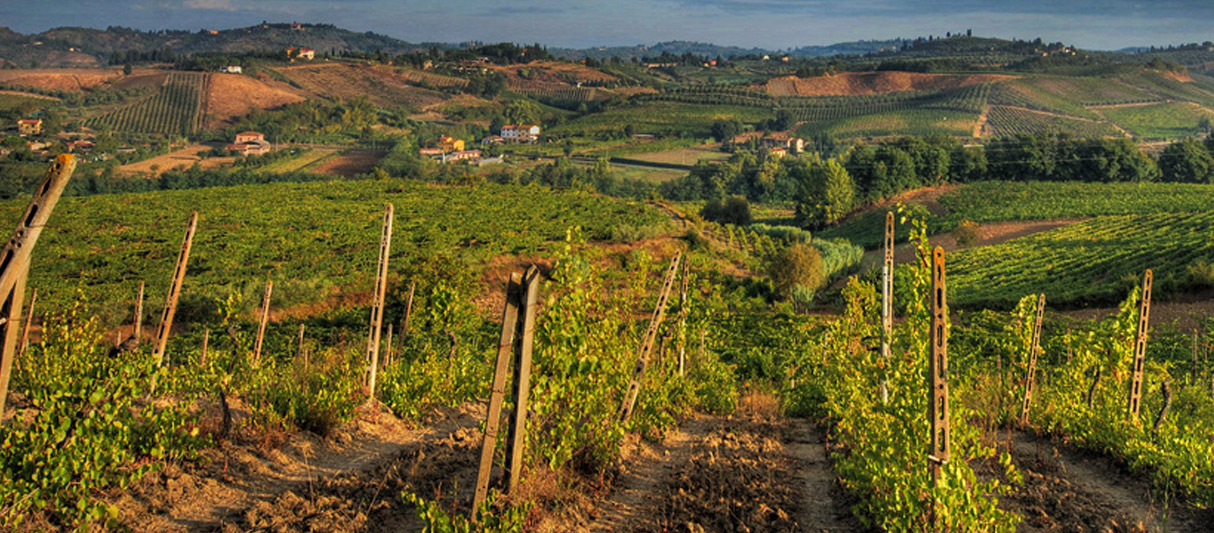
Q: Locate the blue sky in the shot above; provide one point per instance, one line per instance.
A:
(1095, 24)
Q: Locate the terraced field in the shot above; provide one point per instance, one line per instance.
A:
(1172, 120)
(175, 109)
(1005, 121)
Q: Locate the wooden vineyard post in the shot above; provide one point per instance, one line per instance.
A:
(522, 380)
(515, 341)
(1166, 387)
(655, 322)
(938, 368)
(25, 326)
(887, 300)
(1140, 348)
(377, 306)
(683, 320)
(265, 317)
(15, 260)
(388, 347)
(299, 347)
(206, 340)
(1192, 370)
(138, 333)
(1033, 348)
(404, 322)
(170, 303)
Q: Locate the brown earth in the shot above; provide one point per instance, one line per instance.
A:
(1069, 490)
(1183, 310)
(990, 234)
(60, 79)
(861, 83)
(231, 96)
(554, 72)
(176, 160)
(350, 163)
(139, 79)
(345, 81)
(349, 482)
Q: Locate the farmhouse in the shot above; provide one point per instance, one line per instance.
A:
(80, 146)
(450, 144)
(232, 69)
(30, 126)
(430, 152)
(521, 133)
(300, 52)
(792, 145)
(249, 143)
(462, 155)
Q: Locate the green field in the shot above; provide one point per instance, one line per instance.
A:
(16, 106)
(175, 109)
(311, 238)
(1092, 262)
(905, 122)
(1171, 120)
(661, 118)
(995, 201)
(1005, 121)
(308, 159)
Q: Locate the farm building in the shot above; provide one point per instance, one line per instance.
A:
(777, 151)
(301, 53)
(430, 152)
(232, 69)
(30, 126)
(249, 143)
(520, 133)
(450, 144)
(792, 145)
(80, 146)
(463, 155)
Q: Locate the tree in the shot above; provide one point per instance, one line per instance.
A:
(522, 112)
(126, 69)
(1186, 161)
(734, 210)
(825, 192)
(798, 265)
(726, 130)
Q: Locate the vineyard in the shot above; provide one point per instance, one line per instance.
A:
(991, 201)
(660, 118)
(911, 121)
(550, 91)
(1003, 121)
(1173, 120)
(175, 109)
(1092, 262)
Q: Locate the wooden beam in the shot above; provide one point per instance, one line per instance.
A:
(646, 348)
(170, 303)
(938, 368)
(377, 305)
(497, 393)
(522, 379)
(265, 317)
(1140, 348)
(1034, 347)
(26, 325)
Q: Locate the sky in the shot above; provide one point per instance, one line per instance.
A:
(771, 24)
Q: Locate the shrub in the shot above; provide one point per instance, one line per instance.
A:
(966, 233)
(734, 210)
(1201, 274)
(796, 266)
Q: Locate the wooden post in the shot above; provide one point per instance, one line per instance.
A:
(377, 306)
(138, 333)
(170, 303)
(11, 312)
(1167, 404)
(206, 340)
(1192, 371)
(938, 368)
(1140, 349)
(522, 380)
(1033, 348)
(404, 322)
(683, 319)
(15, 260)
(655, 322)
(265, 317)
(498, 392)
(1092, 390)
(388, 347)
(25, 326)
(887, 300)
(299, 347)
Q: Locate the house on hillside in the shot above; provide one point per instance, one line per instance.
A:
(430, 152)
(522, 133)
(462, 155)
(29, 126)
(249, 143)
(232, 69)
(791, 145)
(777, 151)
(450, 144)
(301, 53)
(81, 146)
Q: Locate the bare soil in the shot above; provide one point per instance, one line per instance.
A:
(231, 96)
(176, 160)
(1182, 310)
(345, 81)
(1067, 490)
(861, 83)
(350, 163)
(60, 79)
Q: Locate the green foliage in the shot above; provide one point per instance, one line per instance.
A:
(797, 266)
(966, 234)
(825, 193)
(175, 109)
(436, 520)
(733, 210)
(1187, 161)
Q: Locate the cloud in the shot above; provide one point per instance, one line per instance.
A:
(210, 5)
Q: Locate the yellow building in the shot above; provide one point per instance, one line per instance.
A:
(30, 126)
(448, 144)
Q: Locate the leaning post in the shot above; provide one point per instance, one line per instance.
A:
(377, 306)
(265, 317)
(887, 301)
(1140, 348)
(170, 303)
(1034, 347)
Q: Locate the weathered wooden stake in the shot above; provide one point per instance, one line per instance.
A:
(938, 368)
(15, 260)
(299, 342)
(265, 317)
(887, 300)
(377, 306)
(1033, 348)
(138, 333)
(683, 319)
(1192, 371)
(516, 340)
(206, 340)
(388, 347)
(170, 303)
(25, 326)
(1092, 390)
(522, 380)
(404, 322)
(646, 348)
(1140, 349)
(1167, 404)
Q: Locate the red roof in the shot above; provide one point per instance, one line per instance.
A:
(243, 133)
(29, 121)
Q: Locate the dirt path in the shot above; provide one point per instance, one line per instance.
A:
(1066, 490)
(751, 471)
(309, 482)
(989, 234)
(981, 123)
(1181, 309)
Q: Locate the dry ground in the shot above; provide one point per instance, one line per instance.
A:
(861, 83)
(176, 160)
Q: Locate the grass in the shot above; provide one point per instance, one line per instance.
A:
(661, 118)
(1171, 120)
(308, 159)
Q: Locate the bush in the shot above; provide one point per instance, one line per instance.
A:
(796, 266)
(734, 210)
(966, 233)
(1201, 274)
